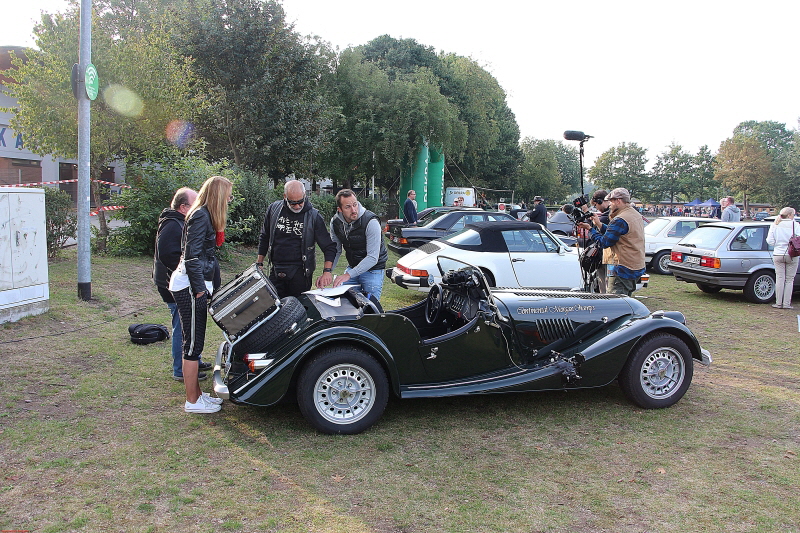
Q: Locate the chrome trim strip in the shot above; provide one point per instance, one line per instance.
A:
(705, 357)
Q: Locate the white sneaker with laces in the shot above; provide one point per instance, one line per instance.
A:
(212, 399)
(201, 406)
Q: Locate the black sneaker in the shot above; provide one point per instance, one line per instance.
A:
(200, 377)
(203, 366)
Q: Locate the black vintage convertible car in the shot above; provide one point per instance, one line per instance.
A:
(343, 355)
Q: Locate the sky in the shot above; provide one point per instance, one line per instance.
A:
(654, 73)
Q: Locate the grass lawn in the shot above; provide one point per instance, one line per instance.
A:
(93, 436)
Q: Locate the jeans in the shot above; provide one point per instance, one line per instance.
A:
(177, 340)
(785, 269)
(371, 282)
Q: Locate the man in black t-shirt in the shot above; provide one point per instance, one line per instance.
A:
(291, 228)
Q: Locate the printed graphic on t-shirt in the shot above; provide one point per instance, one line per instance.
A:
(288, 226)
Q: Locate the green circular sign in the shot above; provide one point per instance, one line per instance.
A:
(92, 81)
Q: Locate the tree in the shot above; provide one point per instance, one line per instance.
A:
(672, 173)
(128, 120)
(742, 165)
(703, 185)
(260, 80)
(538, 173)
(778, 143)
(788, 191)
(623, 166)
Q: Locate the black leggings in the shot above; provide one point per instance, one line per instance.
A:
(193, 321)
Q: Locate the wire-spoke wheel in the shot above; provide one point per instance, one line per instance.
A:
(760, 287)
(657, 372)
(343, 390)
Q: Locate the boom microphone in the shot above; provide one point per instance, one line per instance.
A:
(572, 135)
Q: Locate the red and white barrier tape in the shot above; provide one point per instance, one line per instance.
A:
(107, 208)
(65, 181)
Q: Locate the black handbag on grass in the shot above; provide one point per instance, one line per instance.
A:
(147, 333)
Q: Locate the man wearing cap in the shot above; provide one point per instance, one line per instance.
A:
(624, 235)
(539, 212)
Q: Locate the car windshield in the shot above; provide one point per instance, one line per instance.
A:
(431, 217)
(655, 226)
(706, 237)
(465, 237)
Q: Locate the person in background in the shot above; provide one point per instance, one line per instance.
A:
(539, 212)
(410, 208)
(603, 207)
(730, 213)
(192, 282)
(778, 237)
(165, 261)
(357, 232)
(291, 227)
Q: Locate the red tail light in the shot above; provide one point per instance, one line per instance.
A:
(676, 257)
(413, 271)
(710, 262)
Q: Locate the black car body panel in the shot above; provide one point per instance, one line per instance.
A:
(479, 341)
(403, 239)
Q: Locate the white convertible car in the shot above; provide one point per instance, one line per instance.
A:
(510, 254)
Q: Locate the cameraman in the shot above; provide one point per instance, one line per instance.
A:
(624, 235)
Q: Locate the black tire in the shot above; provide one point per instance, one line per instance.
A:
(658, 371)
(659, 263)
(710, 289)
(342, 390)
(760, 287)
(260, 340)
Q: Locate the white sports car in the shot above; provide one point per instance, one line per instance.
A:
(510, 254)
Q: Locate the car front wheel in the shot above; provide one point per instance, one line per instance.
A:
(760, 287)
(342, 390)
(658, 372)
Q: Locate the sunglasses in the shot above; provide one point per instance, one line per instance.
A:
(296, 202)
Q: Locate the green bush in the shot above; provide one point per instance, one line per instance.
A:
(61, 220)
(153, 186)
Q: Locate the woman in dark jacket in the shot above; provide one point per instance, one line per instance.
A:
(193, 281)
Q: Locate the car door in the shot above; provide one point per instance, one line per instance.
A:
(748, 250)
(539, 261)
(474, 349)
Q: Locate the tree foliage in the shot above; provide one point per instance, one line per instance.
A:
(538, 173)
(743, 165)
(672, 173)
(260, 81)
(623, 166)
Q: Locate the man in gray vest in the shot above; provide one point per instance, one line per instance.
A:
(625, 236)
(291, 227)
(357, 231)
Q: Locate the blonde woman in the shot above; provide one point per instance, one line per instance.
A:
(785, 266)
(192, 282)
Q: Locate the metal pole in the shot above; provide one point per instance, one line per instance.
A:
(84, 174)
(581, 159)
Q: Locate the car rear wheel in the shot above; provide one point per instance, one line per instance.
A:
(658, 372)
(760, 287)
(710, 289)
(659, 263)
(342, 390)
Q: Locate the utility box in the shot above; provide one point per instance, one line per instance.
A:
(24, 281)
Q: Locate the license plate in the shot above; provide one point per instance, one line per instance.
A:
(692, 260)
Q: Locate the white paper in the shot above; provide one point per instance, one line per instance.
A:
(330, 291)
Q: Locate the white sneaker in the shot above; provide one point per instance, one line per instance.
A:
(201, 406)
(212, 399)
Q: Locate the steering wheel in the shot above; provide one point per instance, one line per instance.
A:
(433, 305)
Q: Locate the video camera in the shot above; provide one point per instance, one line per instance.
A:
(574, 211)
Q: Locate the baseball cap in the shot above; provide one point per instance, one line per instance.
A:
(619, 192)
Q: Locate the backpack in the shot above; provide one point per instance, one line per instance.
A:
(147, 333)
